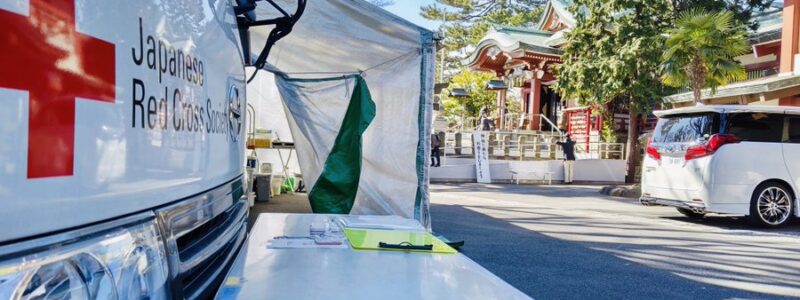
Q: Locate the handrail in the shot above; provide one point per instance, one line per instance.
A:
(510, 118)
(552, 126)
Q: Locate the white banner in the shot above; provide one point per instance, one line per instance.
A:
(482, 170)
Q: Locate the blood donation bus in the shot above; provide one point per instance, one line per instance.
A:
(121, 153)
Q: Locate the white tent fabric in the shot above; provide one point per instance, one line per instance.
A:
(332, 40)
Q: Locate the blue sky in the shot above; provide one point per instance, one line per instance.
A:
(409, 10)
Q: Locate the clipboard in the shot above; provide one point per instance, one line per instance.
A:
(396, 240)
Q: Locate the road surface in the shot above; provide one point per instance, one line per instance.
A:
(570, 242)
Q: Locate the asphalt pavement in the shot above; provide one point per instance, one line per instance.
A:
(570, 242)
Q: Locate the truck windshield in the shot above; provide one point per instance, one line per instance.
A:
(685, 128)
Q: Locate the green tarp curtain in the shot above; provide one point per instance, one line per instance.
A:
(335, 189)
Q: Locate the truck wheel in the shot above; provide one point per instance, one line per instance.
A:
(689, 213)
(771, 205)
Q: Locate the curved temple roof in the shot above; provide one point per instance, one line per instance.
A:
(544, 39)
(511, 39)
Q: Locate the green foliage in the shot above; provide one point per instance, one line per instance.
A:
(742, 10)
(467, 22)
(609, 134)
(614, 52)
(701, 49)
(474, 83)
(513, 104)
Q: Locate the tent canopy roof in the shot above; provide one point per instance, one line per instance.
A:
(342, 36)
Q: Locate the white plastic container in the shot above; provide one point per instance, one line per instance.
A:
(266, 168)
(277, 182)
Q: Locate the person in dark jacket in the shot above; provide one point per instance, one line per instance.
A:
(485, 120)
(569, 158)
(435, 143)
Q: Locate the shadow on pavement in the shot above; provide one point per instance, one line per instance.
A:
(575, 191)
(737, 223)
(612, 259)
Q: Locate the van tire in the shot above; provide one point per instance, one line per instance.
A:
(689, 213)
(773, 198)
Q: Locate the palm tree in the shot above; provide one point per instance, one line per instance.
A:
(701, 50)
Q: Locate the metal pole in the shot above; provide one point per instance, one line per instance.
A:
(530, 105)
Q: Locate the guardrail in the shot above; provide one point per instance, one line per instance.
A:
(474, 123)
(601, 150)
(527, 146)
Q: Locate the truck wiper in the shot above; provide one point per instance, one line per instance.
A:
(283, 26)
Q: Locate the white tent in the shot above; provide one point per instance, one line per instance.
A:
(312, 74)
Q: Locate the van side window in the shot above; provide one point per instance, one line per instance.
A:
(756, 127)
(794, 130)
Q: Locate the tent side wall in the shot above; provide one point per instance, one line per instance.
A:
(396, 58)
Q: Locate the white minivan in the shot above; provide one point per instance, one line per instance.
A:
(727, 159)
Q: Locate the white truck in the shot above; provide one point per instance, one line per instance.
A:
(121, 148)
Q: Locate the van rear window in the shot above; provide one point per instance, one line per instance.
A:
(685, 128)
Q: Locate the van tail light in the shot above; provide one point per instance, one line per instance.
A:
(652, 151)
(712, 145)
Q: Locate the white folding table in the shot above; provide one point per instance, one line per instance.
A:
(263, 273)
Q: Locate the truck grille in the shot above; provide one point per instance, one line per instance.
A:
(196, 240)
(209, 272)
(204, 233)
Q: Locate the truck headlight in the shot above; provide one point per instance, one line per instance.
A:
(123, 259)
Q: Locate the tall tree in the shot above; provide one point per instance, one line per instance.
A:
(742, 10)
(613, 53)
(467, 21)
(464, 107)
(701, 50)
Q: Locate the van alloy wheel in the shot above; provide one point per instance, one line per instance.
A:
(774, 205)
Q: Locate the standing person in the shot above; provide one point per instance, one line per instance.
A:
(486, 121)
(435, 143)
(569, 159)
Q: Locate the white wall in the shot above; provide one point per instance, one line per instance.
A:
(587, 170)
(750, 58)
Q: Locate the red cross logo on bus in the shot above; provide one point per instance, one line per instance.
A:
(43, 54)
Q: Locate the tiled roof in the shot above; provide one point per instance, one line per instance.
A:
(560, 7)
(770, 25)
(752, 87)
(509, 39)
